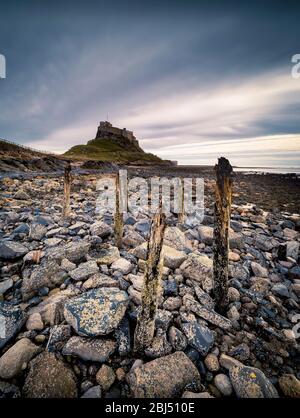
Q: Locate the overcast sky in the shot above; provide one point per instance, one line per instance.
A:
(194, 80)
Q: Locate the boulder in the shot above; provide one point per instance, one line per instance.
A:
(198, 268)
(177, 339)
(88, 349)
(5, 286)
(11, 250)
(84, 270)
(292, 249)
(49, 377)
(122, 335)
(175, 238)
(206, 234)
(165, 377)
(249, 382)
(51, 309)
(198, 336)
(48, 275)
(35, 322)
(290, 385)
(264, 243)
(101, 229)
(97, 312)
(132, 238)
(99, 280)
(13, 359)
(12, 318)
(258, 270)
(105, 377)
(122, 265)
(21, 195)
(222, 382)
(73, 251)
(172, 257)
(37, 232)
(59, 336)
(107, 255)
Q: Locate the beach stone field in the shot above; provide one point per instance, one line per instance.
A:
(69, 298)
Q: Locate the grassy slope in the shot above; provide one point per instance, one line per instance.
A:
(106, 150)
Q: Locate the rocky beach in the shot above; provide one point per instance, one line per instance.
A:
(69, 298)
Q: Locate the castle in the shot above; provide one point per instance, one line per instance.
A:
(106, 130)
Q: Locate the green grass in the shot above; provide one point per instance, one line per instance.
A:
(107, 150)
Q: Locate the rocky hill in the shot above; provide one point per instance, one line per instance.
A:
(16, 158)
(114, 145)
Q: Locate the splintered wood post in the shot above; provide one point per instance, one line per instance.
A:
(223, 196)
(118, 217)
(145, 327)
(67, 190)
(181, 215)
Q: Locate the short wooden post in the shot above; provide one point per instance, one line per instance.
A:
(145, 327)
(118, 217)
(223, 196)
(67, 190)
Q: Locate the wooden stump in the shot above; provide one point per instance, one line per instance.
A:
(223, 196)
(145, 327)
(67, 190)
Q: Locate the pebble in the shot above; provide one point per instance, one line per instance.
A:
(198, 337)
(35, 322)
(92, 393)
(212, 363)
(105, 377)
(223, 384)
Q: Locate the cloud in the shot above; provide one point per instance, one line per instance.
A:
(191, 82)
(197, 126)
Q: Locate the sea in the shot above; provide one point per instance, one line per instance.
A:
(271, 170)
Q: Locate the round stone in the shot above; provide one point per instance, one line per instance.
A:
(105, 377)
(34, 322)
(212, 363)
(223, 384)
(233, 294)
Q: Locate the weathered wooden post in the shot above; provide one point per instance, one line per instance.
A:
(223, 196)
(67, 190)
(145, 327)
(118, 217)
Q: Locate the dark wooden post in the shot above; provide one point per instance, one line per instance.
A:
(223, 196)
(145, 327)
(118, 217)
(67, 190)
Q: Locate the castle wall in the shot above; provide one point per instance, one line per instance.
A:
(105, 128)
